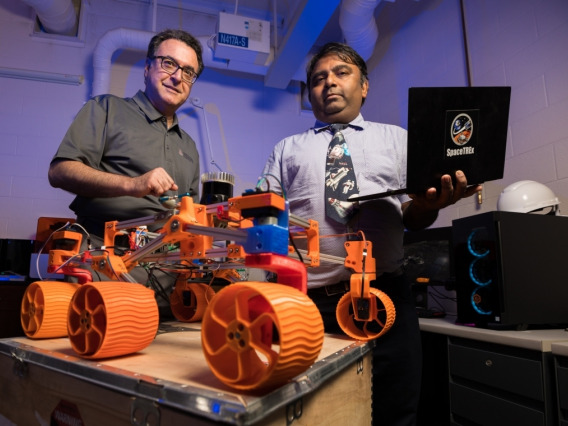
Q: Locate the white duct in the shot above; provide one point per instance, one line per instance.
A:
(356, 20)
(120, 38)
(358, 24)
(56, 16)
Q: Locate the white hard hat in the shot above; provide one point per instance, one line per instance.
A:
(526, 196)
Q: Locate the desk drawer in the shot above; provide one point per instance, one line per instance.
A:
(562, 377)
(489, 410)
(520, 376)
(562, 383)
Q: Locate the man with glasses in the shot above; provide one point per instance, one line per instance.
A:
(121, 154)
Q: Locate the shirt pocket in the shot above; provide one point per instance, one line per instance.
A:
(304, 176)
(382, 171)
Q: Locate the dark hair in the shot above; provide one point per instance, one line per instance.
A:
(345, 53)
(177, 35)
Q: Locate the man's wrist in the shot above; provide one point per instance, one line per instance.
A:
(417, 216)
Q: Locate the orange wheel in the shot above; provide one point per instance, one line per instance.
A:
(259, 335)
(189, 300)
(44, 309)
(382, 316)
(112, 318)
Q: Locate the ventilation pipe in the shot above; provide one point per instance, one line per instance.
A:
(356, 20)
(359, 26)
(120, 38)
(56, 16)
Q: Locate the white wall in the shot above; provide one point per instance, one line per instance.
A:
(521, 43)
(245, 119)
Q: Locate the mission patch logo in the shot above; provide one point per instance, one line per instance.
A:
(461, 139)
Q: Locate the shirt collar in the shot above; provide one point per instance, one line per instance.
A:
(357, 124)
(150, 111)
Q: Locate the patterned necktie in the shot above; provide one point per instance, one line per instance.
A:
(340, 181)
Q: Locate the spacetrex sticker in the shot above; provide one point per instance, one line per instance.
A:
(461, 136)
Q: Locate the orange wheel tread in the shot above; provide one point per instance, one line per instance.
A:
(44, 309)
(382, 320)
(112, 318)
(190, 300)
(259, 335)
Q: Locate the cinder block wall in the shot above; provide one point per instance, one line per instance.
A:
(520, 43)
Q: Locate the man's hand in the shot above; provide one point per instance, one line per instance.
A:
(155, 182)
(449, 194)
(422, 211)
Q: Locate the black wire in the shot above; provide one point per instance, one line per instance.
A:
(435, 299)
(465, 44)
(295, 248)
(442, 295)
(437, 295)
(156, 285)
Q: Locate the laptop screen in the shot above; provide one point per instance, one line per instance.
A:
(456, 128)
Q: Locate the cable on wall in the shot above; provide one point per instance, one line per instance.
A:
(466, 45)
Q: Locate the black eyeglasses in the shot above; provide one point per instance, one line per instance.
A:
(170, 66)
